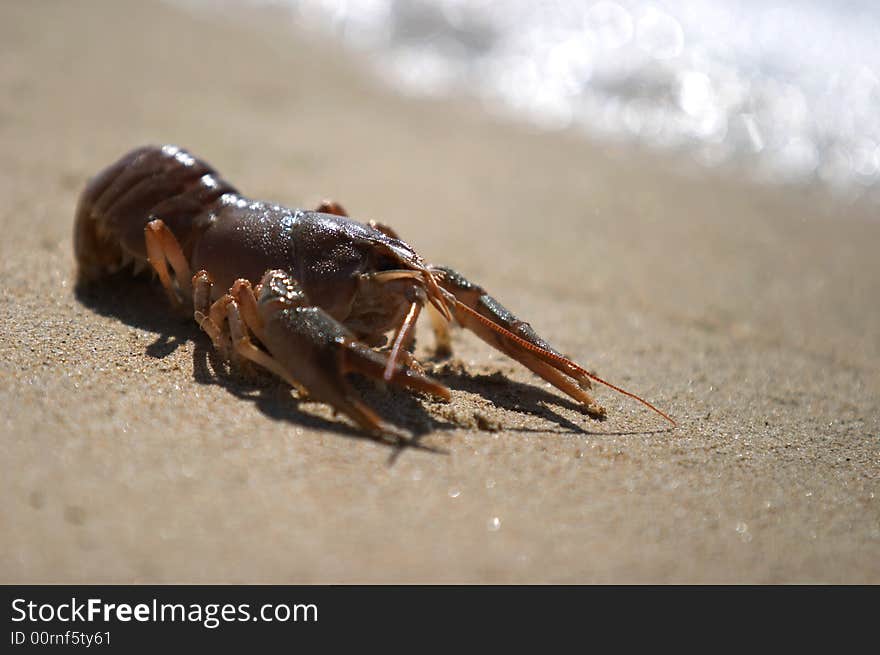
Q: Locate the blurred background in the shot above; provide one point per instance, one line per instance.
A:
(678, 194)
(784, 92)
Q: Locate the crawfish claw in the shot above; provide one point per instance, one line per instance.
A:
(482, 314)
(313, 351)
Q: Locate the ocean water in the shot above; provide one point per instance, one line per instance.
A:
(785, 92)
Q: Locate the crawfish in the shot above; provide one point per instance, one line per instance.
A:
(308, 295)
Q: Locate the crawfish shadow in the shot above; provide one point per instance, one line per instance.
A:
(527, 399)
(139, 304)
(513, 396)
(274, 399)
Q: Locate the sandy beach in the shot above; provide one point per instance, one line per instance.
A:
(129, 453)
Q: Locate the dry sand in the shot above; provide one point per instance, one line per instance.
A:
(128, 454)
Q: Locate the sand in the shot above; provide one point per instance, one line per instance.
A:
(130, 454)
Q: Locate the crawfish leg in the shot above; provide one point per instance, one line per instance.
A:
(242, 313)
(211, 317)
(163, 246)
(444, 347)
(442, 338)
(387, 230)
(331, 207)
(244, 346)
(536, 354)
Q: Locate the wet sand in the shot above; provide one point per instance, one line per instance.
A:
(130, 454)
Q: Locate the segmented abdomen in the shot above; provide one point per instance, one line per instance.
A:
(151, 182)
